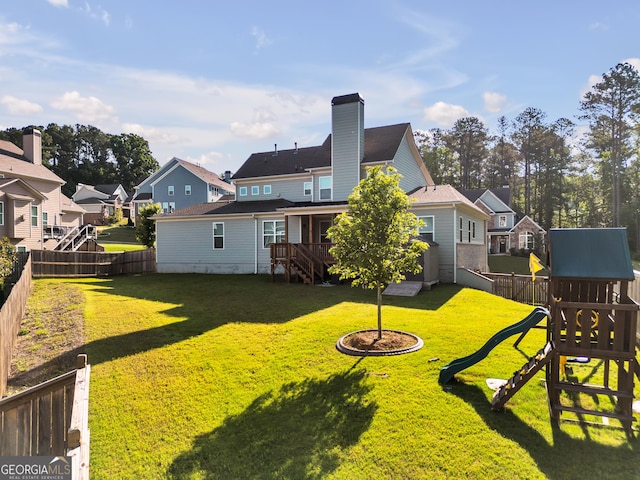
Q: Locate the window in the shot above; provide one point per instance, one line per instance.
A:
(172, 207)
(266, 189)
(471, 232)
(187, 189)
(45, 219)
(525, 240)
(1, 213)
(21, 248)
(34, 216)
(243, 191)
(272, 232)
(170, 190)
(168, 207)
(460, 229)
(426, 230)
(218, 235)
(307, 189)
(255, 190)
(502, 221)
(325, 188)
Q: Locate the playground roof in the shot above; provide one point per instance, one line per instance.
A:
(601, 253)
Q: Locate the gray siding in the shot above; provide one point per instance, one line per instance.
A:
(347, 147)
(194, 253)
(444, 236)
(179, 178)
(405, 163)
(291, 189)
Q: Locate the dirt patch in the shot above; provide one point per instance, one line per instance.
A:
(391, 340)
(50, 337)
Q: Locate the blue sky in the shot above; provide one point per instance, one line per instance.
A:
(213, 82)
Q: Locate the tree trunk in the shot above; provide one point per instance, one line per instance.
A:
(379, 312)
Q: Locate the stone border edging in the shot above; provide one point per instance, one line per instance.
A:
(342, 348)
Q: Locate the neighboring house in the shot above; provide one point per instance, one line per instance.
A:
(287, 199)
(507, 230)
(34, 214)
(179, 184)
(101, 202)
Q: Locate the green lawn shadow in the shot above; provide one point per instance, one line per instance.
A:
(210, 301)
(566, 457)
(297, 432)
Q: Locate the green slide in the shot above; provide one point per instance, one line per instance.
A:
(448, 371)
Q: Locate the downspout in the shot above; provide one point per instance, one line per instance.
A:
(255, 238)
(455, 244)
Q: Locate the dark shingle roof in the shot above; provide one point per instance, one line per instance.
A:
(380, 144)
(503, 194)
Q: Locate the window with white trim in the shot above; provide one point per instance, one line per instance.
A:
(34, 216)
(168, 207)
(525, 240)
(1, 213)
(243, 191)
(21, 248)
(272, 232)
(45, 219)
(307, 189)
(218, 235)
(502, 221)
(427, 229)
(187, 189)
(324, 184)
(460, 229)
(255, 190)
(266, 189)
(170, 190)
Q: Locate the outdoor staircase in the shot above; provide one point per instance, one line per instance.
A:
(76, 237)
(522, 376)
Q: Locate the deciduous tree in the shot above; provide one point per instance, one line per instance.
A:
(375, 239)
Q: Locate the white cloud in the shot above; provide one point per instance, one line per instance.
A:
(444, 114)
(17, 106)
(256, 130)
(494, 102)
(98, 14)
(86, 109)
(151, 133)
(634, 62)
(261, 38)
(59, 3)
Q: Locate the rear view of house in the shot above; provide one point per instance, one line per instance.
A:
(287, 199)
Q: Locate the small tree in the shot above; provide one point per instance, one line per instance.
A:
(375, 240)
(7, 259)
(146, 228)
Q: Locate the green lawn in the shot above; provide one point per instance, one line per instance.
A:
(118, 238)
(233, 377)
(509, 264)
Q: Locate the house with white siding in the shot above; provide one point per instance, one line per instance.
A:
(287, 199)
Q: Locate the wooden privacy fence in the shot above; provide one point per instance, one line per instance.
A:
(520, 287)
(53, 263)
(50, 419)
(10, 318)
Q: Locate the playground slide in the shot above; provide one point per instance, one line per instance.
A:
(448, 371)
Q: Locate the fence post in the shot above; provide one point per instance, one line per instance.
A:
(513, 286)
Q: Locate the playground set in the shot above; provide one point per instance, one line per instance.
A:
(590, 318)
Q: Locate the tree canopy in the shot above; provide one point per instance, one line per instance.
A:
(146, 226)
(85, 154)
(375, 239)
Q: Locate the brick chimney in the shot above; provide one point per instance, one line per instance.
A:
(32, 145)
